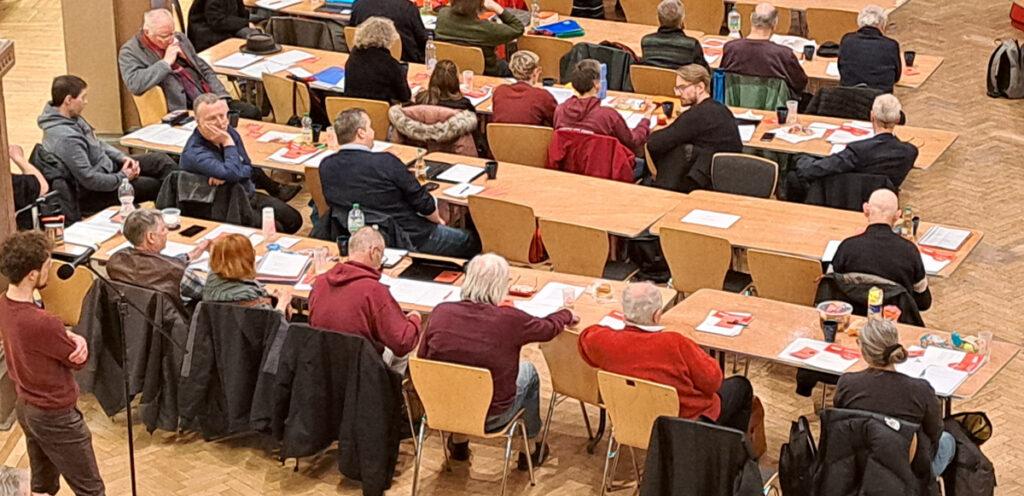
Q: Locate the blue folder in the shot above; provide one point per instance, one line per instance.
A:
(330, 75)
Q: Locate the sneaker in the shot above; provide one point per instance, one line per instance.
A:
(539, 455)
(288, 191)
(459, 451)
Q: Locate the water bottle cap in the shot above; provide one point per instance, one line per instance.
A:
(355, 205)
(274, 247)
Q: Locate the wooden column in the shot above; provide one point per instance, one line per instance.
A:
(6, 195)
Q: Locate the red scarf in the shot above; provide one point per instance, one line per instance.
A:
(185, 73)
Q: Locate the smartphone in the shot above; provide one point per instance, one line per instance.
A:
(191, 231)
(767, 137)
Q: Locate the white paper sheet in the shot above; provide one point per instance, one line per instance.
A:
(710, 59)
(784, 134)
(832, 69)
(830, 250)
(560, 94)
(257, 70)
(710, 219)
(254, 236)
(429, 21)
(841, 137)
(795, 43)
(279, 156)
(944, 237)
(460, 173)
(320, 85)
(749, 116)
(317, 160)
(291, 57)
(427, 294)
(171, 250)
(822, 360)
(712, 324)
(551, 294)
(300, 73)
(392, 256)
(280, 136)
(463, 190)
(933, 266)
(287, 242)
(162, 134)
(747, 132)
(944, 380)
(535, 309)
(238, 60)
(85, 234)
(836, 149)
(276, 4)
(616, 321)
(380, 146)
(284, 265)
(477, 100)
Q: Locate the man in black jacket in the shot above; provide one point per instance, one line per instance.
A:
(670, 47)
(869, 57)
(407, 21)
(213, 21)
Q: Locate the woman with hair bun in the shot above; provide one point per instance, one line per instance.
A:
(881, 389)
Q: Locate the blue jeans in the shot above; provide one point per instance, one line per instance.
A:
(450, 242)
(527, 398)
(945, 453)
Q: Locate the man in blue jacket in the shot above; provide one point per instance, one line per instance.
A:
(216, 151)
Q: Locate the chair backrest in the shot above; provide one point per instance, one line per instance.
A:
(466, 58)
(634, 404)
(649, 80)
(640, 12)
(705, 15)
(570, 375)
(829, 24)
(696, 261)
(376, 109)
(64, 298)
(563, 7)
(316, 190)
(575, 249)
(549, 49)
(784, 277)
(520, 143)
(755, 92)
(350, 41)
(305, 32)
(152, 105)
(455, 397)
(280, 91)
(651, 166)
(505, 228)
(745, 9)
(742, 174)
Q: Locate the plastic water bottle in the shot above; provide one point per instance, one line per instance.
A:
(602, 92)
(535, 14)
(126, 194)
(356, 221)
(875, 298)
(307, 129)
(430, 54)
(734, 23)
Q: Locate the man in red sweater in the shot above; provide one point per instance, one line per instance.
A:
(643, 351)
(350, 299)
(41, 358)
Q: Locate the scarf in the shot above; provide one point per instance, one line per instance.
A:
(182, 69)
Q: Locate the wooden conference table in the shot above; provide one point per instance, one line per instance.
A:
(776, 324)
(785, 227)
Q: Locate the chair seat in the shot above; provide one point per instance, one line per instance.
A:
(619, 271)
(504, 428)
(736, 282)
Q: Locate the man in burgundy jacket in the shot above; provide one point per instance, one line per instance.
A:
(757, 55)
(643, 351)
(350, 299)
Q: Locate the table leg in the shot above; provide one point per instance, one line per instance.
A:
(592, 444)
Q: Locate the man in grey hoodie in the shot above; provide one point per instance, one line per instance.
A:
(97, 167)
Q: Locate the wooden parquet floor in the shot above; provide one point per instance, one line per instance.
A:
(976, 183)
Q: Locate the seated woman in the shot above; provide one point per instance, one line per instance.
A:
(232, 277)
(460, 23)
(442, 119)
(443, 88)
(371, 72)
(523, 102)
(881, 389)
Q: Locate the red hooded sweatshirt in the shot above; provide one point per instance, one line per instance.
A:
(350, 299)
(587, 113)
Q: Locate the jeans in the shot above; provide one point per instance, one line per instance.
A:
(737, 396)
(527, 399)
(153, 168)
(450, 242)
(59, 443)
(945, 453)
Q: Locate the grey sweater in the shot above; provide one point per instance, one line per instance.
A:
(95, 165)
(142, 69)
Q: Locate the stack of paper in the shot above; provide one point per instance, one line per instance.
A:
(392, 256)
(422, 293)
(536, 309)
(460, 173)
(710, 219)
(935, 365)
(795, 43)
(933, 266)
(463, 191)
(254, 236)
(319, 158)
(87, 234)
(256, 71)
(281, 156)
(944, 238)
(276, 4)
(238, 60)
(291, 57)
(429, 21)
(279, 266)
(560, 94)
(171, 250)
(725, 323)
(548, 300)
(162, 134)
(820, 355)
(380, 146)
(850, 132)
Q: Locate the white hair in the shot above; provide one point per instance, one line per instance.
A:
(640, 301)
(486, 279)
(873, 16)
(365, 240)
(151, 18)
(671, 13)
(880, 343)
(765, 15)
(886, 110)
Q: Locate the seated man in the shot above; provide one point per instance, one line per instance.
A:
(213, 21)
(350, 299)
(670, 47)
(883, 154)
(644, 351)
(757, 55)
(143, 265)
(381, 183)
(215, 150)
(27, 186)
(97, 167)
(158, 56)
(881, 252)
(869, 57)
(682, 151)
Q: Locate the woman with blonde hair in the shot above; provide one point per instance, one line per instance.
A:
(882, 389)
(371, 72)
(524, 102)
(232, 276)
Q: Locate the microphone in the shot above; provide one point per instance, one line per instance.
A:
(64, 272)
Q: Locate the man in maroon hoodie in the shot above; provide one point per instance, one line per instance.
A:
(350, 299)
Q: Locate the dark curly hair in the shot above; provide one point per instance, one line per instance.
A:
(22, 253)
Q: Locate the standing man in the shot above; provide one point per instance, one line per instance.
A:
(42, 357)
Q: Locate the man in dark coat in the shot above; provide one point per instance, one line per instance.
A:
(867, 56)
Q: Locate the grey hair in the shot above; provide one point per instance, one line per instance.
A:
(150, 18)
(886, 110)
(764, 20)
(139, 223)
(880, 343)
(640, 301)
(13, 481)
(874, 16)
(364, 240)
(375, 32)
(671, 13)
(486, 279)
(205, 99)
(349, 122)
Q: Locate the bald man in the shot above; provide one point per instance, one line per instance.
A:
(881, 252)
(757, 55)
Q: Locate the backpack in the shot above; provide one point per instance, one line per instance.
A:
(970, 473)
(796, 460)
(1006, 71)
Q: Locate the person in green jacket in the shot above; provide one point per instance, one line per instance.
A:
(460, 23)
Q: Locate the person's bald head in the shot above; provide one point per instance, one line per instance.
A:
(882, 207)
(366, 246)
(641, 303)
(764, 17)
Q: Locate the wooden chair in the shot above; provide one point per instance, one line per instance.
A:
(641, 12)
(829, 24)
(563, 7)
(742, 174)
(698, 261)
(376, 109)
(633, 405)
(784, 277)
(466, 58)
(280, 92)
(571, 378)
(350, 41)
(653, 80)
(575, 249)
(505, 228)
(455, 400)
(519, 143)
(550, 50)
(316, 190)
(745, 9)
(64, 298)
(231, 85)
(704, 15)
(651, 166)
(152, 106)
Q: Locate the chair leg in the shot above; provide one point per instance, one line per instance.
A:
(547, 421)
(607, 462)
(419, 455)
(526, 446)
(586, 421)
(444, 449)
(508, 456)
(408, 414)
(636, 468)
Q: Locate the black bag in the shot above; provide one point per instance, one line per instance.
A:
(1006, 71)
(796, 460)
(645, 252)
(970, 473)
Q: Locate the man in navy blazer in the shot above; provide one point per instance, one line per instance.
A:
(867, 56)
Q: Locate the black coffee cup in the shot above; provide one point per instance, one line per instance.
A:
(668, 108)
(548, 81)
(909, 56)
(343, 247)
(829, 328)
(782, 113)
(491, 168)
(316, 132)
(808, 52)
(233, 118)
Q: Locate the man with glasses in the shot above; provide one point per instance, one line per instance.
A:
(682, 151)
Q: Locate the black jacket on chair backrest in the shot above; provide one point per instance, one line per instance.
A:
(848, 191)
(618, 62)
(844, 102)
(61, 181)
(193, 195)
(853, 288)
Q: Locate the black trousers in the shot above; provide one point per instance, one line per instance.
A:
(288, 219)
(263, 181)
(154, 169)
(59, 443)
(737, 395)
(245, 110)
